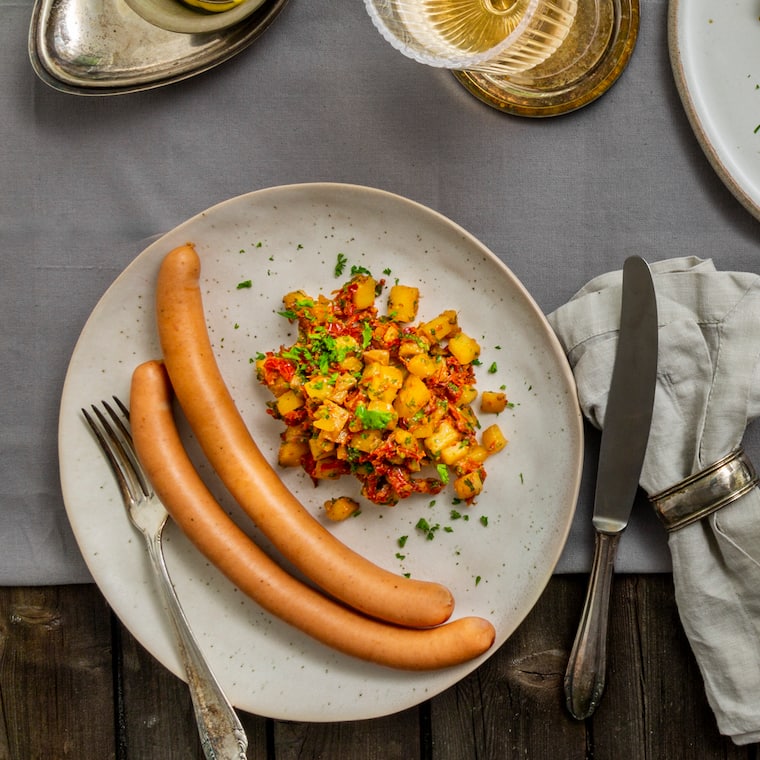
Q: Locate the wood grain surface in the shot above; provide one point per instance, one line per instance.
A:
(75, 684)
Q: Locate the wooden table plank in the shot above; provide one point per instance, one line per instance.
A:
(56, 682)
(395, 737)
(75, 684)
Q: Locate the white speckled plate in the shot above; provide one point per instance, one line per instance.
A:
(282, 239)
(715, 54)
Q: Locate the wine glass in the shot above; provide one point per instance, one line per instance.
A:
(528, 57)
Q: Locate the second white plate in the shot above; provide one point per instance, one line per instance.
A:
(716, 63)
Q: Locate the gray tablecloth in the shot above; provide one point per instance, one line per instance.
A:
(321, 97)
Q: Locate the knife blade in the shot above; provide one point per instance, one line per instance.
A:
(625, 434)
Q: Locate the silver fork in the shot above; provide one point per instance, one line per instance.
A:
(222, 735)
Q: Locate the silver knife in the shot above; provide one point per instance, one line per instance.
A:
(625, 434)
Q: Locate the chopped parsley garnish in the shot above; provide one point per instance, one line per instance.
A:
(373, 419)
(366, 334)
(340, 264)
(425, 527)
(244, 284)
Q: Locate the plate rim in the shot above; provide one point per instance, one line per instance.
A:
(713, 155)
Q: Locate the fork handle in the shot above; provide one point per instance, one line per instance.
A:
(221, 733)
(586, 670)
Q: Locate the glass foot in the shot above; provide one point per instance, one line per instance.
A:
(588, 63)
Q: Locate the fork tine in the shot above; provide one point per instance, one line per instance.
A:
(121, 406)
(116, 448)
(127, 445)
(122, 477)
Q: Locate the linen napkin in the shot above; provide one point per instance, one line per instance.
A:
(708, 389)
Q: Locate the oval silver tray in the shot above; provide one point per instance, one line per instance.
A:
(102, 47)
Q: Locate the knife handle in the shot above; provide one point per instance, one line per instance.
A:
(586, 669)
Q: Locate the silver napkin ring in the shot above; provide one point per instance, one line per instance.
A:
(705, 492)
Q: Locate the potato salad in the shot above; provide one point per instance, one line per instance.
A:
(382, 397)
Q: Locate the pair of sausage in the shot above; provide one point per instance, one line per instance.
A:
(257, 575)
(377, 611)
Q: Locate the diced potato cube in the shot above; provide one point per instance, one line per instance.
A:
(445, 435)
(297, 433)
(441, 327)
(468, 395)
(345, 344)
(377, 356)
(341, 386)
(331, 418)
(412, 346)
(403, 301)
(292, 300)
(344, 347)
(493, 402)
(469, 416)
(412, 397)
(340, 508)
(423, 430)
(364, 292)
(454, 453)
(477, 454)
(319, 387)
(366, 440)
(468, 486)
(381, 381)
(423, 365)
(350, 364)
(464, 348)
(493, 439)
(289, 402)
(298, 301)
(291, 453)
(322, 310)
(320, 447)
(404, 438)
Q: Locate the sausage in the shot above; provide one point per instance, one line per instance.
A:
(236, 555)
(227, 443)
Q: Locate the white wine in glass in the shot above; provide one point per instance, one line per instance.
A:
(536, 46)
(495, 36)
